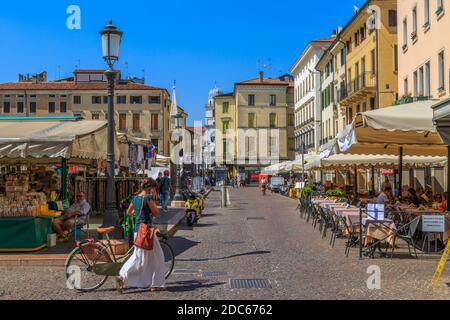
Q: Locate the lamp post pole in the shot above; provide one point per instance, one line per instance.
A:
(111, 203)
(178, 196)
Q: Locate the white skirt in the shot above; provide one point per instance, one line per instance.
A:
(145, 269)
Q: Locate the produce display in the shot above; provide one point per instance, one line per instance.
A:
(18, 204)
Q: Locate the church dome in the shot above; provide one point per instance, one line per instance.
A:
(214, 92)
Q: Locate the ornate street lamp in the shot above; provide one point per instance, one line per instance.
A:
(111, 38)
(178, 124)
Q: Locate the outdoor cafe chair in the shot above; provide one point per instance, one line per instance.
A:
(406, 233)
(328, 222)
(353, 236)
(337, 229)
(79, 226)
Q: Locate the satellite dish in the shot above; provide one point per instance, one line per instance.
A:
(356, 9)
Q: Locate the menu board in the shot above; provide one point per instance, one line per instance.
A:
(433, 224)
(375, 211)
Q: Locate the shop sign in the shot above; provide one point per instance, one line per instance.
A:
(435, 224)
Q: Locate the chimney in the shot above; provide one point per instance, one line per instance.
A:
(261, 76)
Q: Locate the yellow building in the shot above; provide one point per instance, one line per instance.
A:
(371, 64)
(225, 114)
(255, 126)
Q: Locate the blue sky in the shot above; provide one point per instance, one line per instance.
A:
(198, 42)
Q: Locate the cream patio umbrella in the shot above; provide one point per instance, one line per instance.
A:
(398, 130)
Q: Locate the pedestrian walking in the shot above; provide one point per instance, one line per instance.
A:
(165, 190)
(158, 181)
(263, 186)
(145, 268)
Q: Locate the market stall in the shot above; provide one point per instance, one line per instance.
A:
(35, 154)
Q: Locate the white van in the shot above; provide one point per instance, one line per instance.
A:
(276, 183)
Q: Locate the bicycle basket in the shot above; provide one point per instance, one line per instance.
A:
(92, 251)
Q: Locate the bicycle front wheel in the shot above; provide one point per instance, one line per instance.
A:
(169, 257)
(79, 270)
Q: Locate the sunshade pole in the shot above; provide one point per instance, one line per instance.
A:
(400, 172)
(356, 181)
(64, 179)
(303, 162)
(373, 180)
(448, 179)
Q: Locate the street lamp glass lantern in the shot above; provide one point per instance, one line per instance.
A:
(178, 121)
(111, 38)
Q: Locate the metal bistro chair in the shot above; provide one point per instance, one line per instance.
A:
(310, 207)
(79, 226)
(337, 229)
(329, 222)
(301, 207)
(353, 235)
(406, 233)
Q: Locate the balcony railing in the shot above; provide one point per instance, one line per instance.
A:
(365, 80)
(342, 94)
(409, 99)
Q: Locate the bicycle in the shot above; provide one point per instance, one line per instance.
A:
(91, 263)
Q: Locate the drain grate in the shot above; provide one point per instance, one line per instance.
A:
(250, 284)
(256, 218)
(185, 271)
(214, 273)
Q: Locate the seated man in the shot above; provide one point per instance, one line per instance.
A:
(79, 209)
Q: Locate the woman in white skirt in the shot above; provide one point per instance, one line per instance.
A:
(144, 269)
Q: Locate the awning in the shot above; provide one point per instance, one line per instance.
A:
(346, 161)
(128, 138)
(441, 117)
(382, 131)
(82, 139)
(297, 165)
(328, 149)
(274, 169)
(162, 161)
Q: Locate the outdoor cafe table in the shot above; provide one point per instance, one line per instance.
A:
(331, 206)
(350, 214)
(377, 230)
(321, 201)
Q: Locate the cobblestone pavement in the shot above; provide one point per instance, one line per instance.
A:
(277, 246)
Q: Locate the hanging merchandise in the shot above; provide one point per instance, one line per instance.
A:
(133, 156)
(149, 152)
(141, 158)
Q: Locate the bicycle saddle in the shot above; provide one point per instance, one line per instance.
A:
(106, 230)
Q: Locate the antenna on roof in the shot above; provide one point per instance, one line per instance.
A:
(264, 65)
(78, 65)
(126, 68)
(143, 75)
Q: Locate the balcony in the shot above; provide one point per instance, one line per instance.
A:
(342, 93)
(410, 99)
(359, 88)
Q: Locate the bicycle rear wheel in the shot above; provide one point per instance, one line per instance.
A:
(169, 257)
(79, 270)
